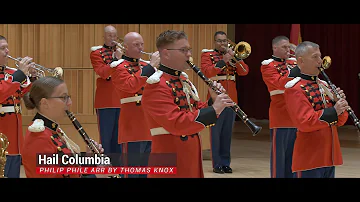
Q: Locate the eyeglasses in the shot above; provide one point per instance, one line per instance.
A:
(222, 41)
(65, 98)
(184, 50)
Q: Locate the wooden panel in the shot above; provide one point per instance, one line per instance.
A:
(4, 30)
(68, 46)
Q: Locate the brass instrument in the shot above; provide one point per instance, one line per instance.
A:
(150, 54)
(292, 48)
(120, 44)
(40, 70)
(242, 50)
(4, 143)
(326, 62)
(254, 128)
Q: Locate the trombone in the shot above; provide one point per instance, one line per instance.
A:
(40, 70)
(242, 50)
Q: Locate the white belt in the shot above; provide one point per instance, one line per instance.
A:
(276, 92)
(158, 131)
(130, 99)
(229, 77)
(7, 109)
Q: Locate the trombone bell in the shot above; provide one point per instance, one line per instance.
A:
(242, 50)
(326, 62)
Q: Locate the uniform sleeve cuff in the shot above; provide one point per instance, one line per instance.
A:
(19, 76)
(207, 116)
(329, 115)
(220, 64)
(147, 71)
(210, 102)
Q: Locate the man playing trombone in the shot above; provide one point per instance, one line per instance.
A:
(14, 83)
(221, 65)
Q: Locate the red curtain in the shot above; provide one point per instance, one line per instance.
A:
(295, 34)
(339, 41)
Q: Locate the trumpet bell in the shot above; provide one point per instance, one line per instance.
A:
(326, 62)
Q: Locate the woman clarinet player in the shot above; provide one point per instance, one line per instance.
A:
(50, 97)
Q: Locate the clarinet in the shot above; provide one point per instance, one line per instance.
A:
(240, 113)
(349, 110)
(88, 141)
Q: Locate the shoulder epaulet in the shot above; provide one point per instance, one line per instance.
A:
(266, 62)
(145, 61)
(116, 63)
(37, 126)
(155, 77)
(207, 50)
(94, 48)
(294, 59)
(292, 82)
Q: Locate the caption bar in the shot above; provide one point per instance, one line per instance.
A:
(106, 170)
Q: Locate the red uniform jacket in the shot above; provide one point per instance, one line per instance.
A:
(105, 95)
(175, 124)
(129, 80)
(42, 139)
(216, 69)
(275, 73)
(13, 85)
(317, 144)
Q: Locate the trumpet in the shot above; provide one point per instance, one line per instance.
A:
(149, 54)
(40, 70)
(326, 62)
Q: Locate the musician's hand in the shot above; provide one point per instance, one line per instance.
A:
(341, 93)
(25, 64)
(33, 72)
(227, 57)
(340, 106)
(223, 100)
(98, 146)
(213, 94)
(118, 53)
(155, 59)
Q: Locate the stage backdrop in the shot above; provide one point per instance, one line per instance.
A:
(339, 41)
(68, 46)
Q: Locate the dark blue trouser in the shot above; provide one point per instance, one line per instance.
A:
(12, 166)
(325, 172)
(221, 138)
(282, 146)
(108, 122)
(137, 154)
